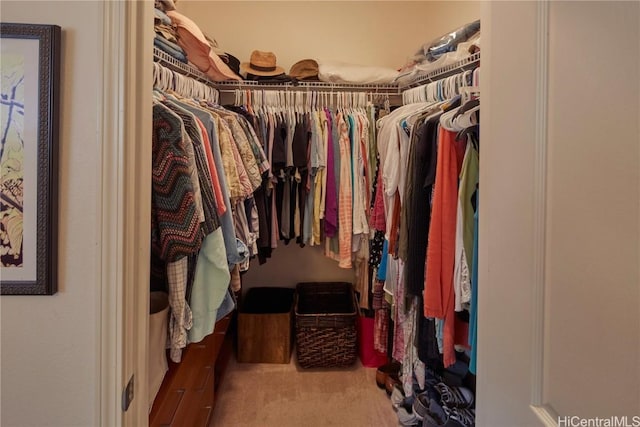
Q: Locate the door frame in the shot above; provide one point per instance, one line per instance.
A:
(124, 208)
(126, 200)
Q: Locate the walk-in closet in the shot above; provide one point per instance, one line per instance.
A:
(297, 203)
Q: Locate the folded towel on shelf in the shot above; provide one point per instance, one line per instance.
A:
(166, 31)
(161, 17)
(170, 48)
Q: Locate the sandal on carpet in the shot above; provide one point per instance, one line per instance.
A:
(391, 368)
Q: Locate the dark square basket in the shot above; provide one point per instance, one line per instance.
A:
(325, 321)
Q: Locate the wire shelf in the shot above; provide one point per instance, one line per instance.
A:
(188, 70)
(167, 60)
(467, 63)
(382, 89)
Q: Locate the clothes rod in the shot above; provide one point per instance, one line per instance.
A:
(231, 86)
(228, 97)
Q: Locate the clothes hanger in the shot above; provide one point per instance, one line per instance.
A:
(332, 98)
(196, 88)
(156, 74)
(177, 83)
(188, 87)
(185, 87)
(256, 102)
(166, 79)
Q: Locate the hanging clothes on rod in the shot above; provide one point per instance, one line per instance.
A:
(207, 164)
(427, 199)
(441, 90)
(325, 92)
(166, 79)
(322, 149)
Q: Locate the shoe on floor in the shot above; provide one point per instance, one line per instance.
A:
(431, 422)
(436, 415)
(455, 397)
(384, 371)
(466, 417)
(391, 381)
(424, 402)
(397, 397)
(407, 418)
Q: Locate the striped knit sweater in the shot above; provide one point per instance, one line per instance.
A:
(211, 222)
(176, 231)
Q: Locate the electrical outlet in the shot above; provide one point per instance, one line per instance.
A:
(127, 394)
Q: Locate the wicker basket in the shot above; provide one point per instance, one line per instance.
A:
(326, 315)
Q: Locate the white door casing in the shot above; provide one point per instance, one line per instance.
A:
(125, 208)
(506, 214)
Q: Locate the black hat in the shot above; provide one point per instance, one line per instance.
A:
(233, 63)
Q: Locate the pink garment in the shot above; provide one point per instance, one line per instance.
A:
(439, 264)
(217, 189)
(378, 221)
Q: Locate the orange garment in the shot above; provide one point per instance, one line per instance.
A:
(439, 264)
(345, 197)
(217, 189)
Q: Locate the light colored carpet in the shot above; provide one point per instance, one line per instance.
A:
(279, 395)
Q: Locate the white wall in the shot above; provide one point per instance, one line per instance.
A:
(591, 311)
(50, 346)
(380, 33)
(292, 264)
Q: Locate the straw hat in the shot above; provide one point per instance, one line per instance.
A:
(262, 64)
(307, 69)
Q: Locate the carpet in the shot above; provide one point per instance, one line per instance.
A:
(285, 395)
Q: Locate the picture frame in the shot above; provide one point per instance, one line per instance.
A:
(29, 117)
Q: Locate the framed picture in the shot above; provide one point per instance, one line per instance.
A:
(29, 101)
